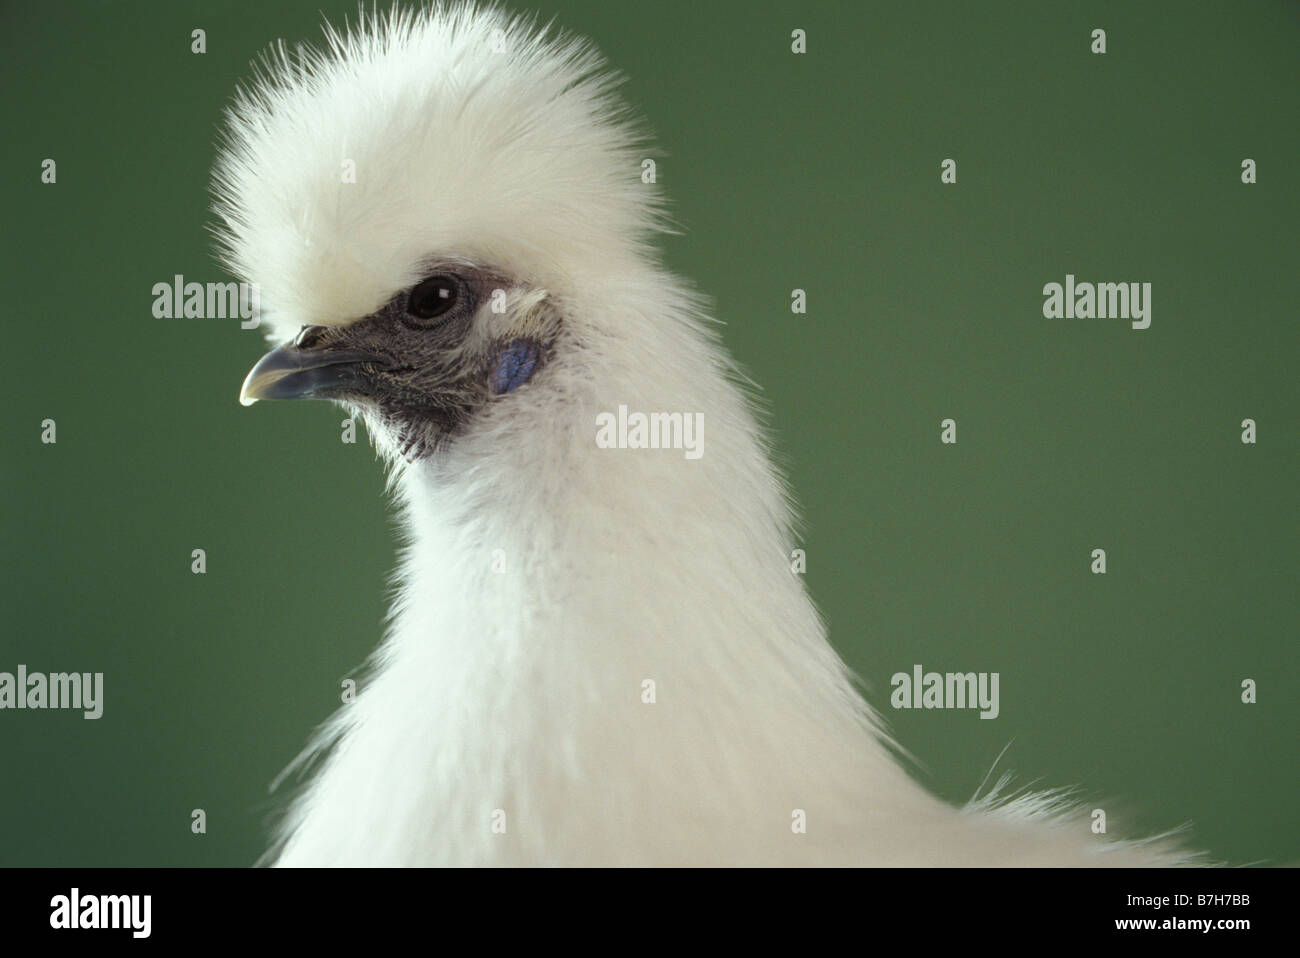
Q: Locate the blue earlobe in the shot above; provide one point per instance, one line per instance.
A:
(514, 365)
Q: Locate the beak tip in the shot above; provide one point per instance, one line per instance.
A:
(248, 396)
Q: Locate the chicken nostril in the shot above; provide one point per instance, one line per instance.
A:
(308, 337)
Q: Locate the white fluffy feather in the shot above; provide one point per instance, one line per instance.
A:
(479, 137)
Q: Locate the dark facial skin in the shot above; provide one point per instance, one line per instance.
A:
(412, 364)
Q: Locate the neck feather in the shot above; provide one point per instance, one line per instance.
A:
(586, 636)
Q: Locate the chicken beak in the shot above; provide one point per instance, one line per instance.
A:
(293, 373)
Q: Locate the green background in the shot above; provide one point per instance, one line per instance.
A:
(818, 171)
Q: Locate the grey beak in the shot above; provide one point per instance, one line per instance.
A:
(292, 373)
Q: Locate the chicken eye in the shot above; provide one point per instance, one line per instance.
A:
(433, 297)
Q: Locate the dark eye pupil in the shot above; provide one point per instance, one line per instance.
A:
(432, 298)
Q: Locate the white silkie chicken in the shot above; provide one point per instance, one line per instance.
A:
(445, 214)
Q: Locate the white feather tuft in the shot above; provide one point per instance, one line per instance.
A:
(470, 132)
